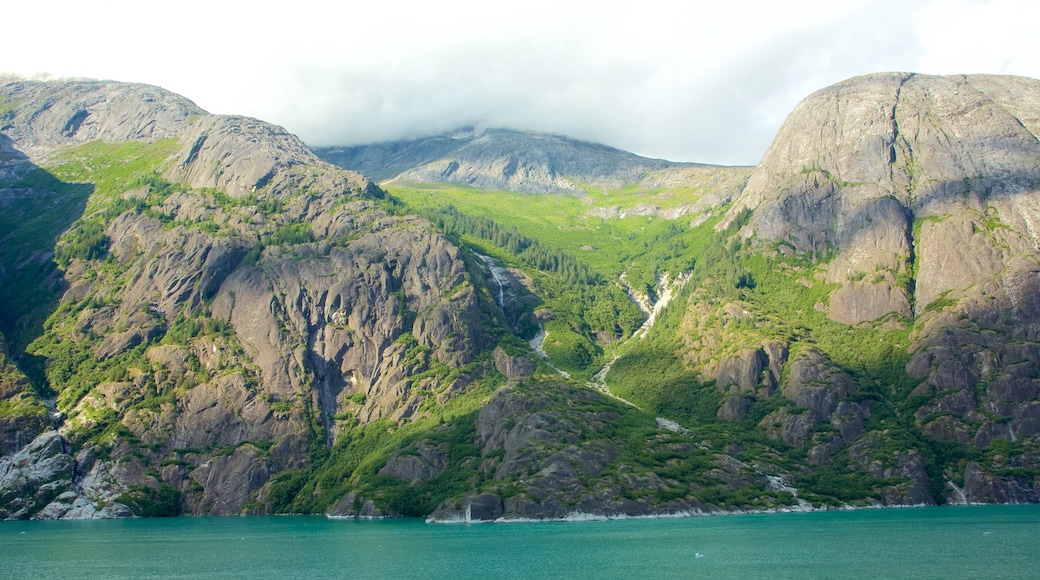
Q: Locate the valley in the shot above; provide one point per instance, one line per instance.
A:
(203, 316)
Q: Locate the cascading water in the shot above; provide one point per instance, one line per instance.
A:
(492, 265)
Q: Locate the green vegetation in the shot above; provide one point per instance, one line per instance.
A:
(575, 260)
(567, 349)
(578, 270)
(941, 303)
(88, 181)
(17, 398)
(152, 502)
(86, 241)
(30, 225)
(361, 450)
(112, 168)
(644, 247)
(292, 234)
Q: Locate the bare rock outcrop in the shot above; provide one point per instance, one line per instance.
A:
(353, 505)
(529, 162)
(982, 486)
(856, 164)
(752, 370)
(910, 484)
(820, 392)
(514, 367)
(922, 193)
(283, 296)
(866, 300)
(425, 464)
(46, 481)
(814, 383)
(58, 114)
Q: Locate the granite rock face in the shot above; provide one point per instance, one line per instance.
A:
(46, 481)
(514, 367)
(858, 164)
(49, 115)
(924, 193)
(304, 304)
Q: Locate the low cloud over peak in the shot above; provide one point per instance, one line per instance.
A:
(698, 82)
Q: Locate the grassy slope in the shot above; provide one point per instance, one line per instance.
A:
(781, 292)
(649, 372)
(642, 246)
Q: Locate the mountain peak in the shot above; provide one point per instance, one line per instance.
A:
(496, 158)
(897, 176)
(62, 113)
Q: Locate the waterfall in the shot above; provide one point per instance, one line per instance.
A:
(492, 265)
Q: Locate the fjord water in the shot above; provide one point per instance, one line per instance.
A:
(948, 542)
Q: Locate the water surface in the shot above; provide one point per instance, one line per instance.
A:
(947, 542)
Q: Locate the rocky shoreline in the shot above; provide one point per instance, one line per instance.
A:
(593, 517)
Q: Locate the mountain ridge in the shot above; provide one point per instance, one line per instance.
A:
(507, 159)
(181, 244)
(222, 323)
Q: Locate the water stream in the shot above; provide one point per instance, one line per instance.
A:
(537, 344)
(665, 291)
(492, 265)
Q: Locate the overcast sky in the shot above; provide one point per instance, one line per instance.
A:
(686, 81)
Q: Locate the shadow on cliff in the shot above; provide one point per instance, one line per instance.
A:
(813, 214)
(35, 208)
(992, 185)
(1002, 315)
(983, 350)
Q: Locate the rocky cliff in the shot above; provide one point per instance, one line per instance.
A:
(928, 180)
(226, 300)
(201, 316)
(915, 198)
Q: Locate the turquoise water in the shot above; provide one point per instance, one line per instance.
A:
(948, 542)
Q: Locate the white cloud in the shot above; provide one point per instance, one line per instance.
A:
(691, 81)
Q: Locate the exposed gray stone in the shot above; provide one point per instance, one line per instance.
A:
(525, 161)
(864, 301)
(983, 487)
(854, 163)
(815, 383)
(425, 464)
(734, 408)
(514, 367)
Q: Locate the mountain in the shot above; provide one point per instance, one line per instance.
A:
(510, 160)
(922, 191)
(865, 308)
(201, 316)
(881, 275)
(220, 296)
